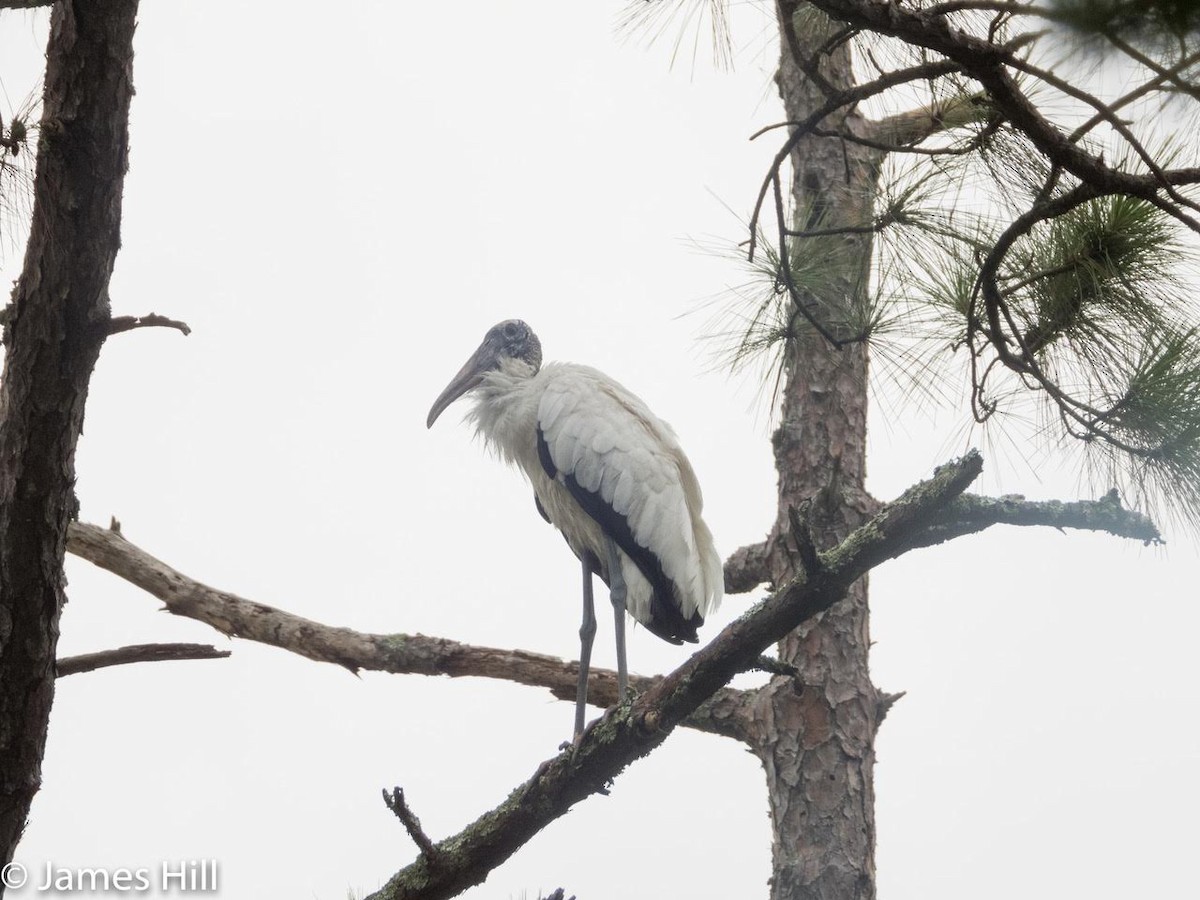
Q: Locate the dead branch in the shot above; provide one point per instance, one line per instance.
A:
(136, 653)
(746, 569)
(916, 125)
(396, 653)
(152, 320)
(970, 513)
(399, 806)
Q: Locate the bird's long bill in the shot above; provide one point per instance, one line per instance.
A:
(468, 377)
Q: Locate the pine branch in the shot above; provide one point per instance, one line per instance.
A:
(844, 100)
(986, 62)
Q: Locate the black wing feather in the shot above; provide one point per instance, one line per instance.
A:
(666, 620)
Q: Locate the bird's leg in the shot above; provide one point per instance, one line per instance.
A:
(618, 593)
(587, 631)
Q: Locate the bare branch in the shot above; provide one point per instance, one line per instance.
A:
(970, 513)
(917, 125)
(136, 653)
(886, 702)
(746, 569)
(397, 804)
(153, 320)
(774, 666)
(396, 653)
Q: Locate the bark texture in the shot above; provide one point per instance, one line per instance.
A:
(55, 326)
(815, 733)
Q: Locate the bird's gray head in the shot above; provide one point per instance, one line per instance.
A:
(511, 340)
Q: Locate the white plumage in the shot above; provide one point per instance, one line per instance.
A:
(607, 472)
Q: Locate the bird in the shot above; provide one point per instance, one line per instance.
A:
(609, 475)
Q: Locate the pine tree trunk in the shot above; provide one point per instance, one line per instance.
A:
(54, 328)
(815, 734)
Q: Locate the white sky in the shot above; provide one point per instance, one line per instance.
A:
(340, 202)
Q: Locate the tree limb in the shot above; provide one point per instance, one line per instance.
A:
(985, 62)
(135, 653)
(151, 320)
(746, 569)
(916, 125)
(631, 730)
(971, 513)
(396, 653)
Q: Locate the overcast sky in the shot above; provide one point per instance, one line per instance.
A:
(340, 202)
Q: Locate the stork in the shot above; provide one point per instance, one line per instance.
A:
(610, 475)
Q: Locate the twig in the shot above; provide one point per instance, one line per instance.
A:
(396, 803)
(885, 703)
(774, 666)
(152, 320)
(923, 72)
(136, 653)
(785, 272)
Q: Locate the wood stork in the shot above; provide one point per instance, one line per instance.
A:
(609, 474)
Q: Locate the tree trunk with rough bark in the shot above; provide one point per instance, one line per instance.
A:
(815, 733)
(54, 328)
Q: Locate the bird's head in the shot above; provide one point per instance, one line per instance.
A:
(511, 341)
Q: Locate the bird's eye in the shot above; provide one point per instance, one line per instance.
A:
(511, 330)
